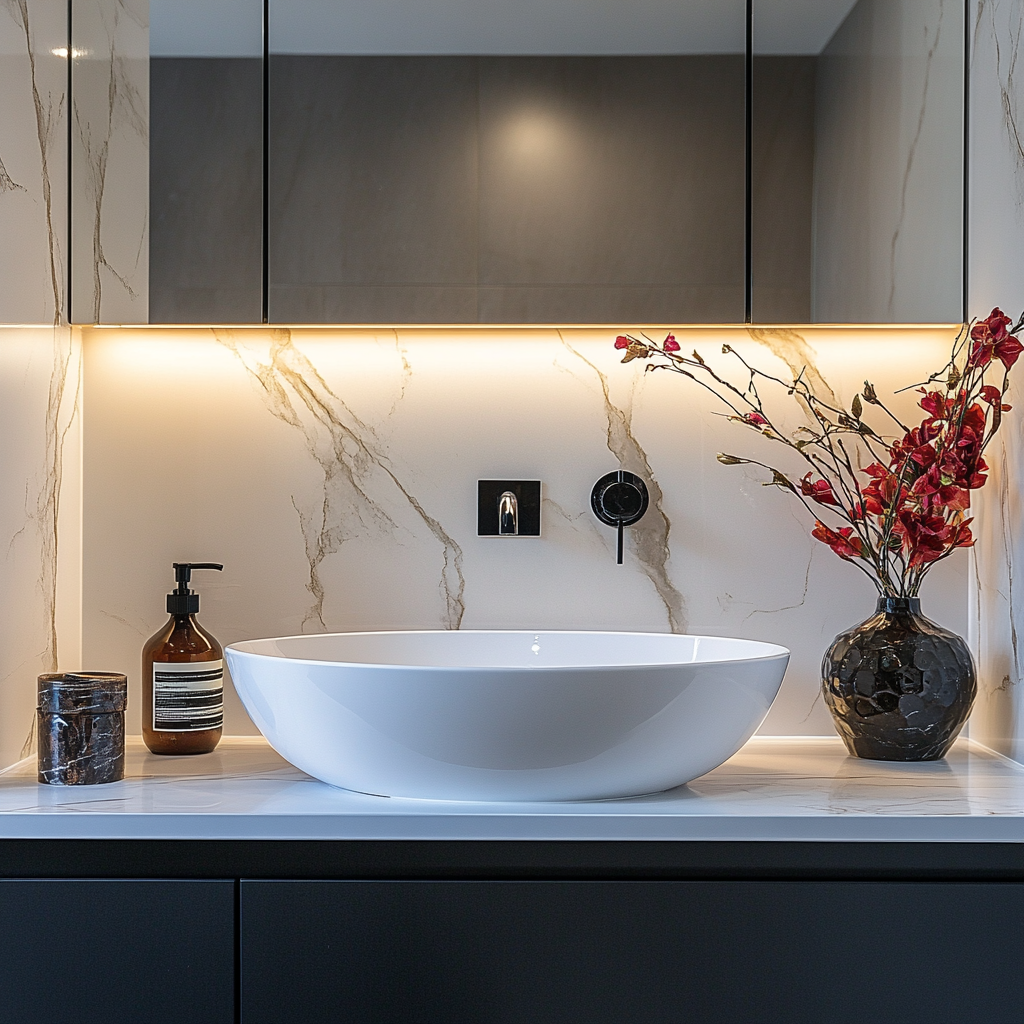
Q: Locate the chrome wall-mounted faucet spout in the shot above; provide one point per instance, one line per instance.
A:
(508, 515)
(508, 508)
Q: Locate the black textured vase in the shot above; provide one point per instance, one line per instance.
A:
(899, 686)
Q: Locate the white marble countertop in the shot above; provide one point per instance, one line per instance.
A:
(801, 788)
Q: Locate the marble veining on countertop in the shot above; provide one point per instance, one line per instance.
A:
(775, 788)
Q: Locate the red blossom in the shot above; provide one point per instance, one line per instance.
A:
(936, 404)
(842, 541)
(992, 340)
(881, 493)
(818, 490)
(964, 538)
(911, 501)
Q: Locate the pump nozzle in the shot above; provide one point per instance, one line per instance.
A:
(184, 601)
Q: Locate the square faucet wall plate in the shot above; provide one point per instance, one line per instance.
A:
(508, 508)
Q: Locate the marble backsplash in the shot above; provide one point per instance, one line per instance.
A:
(334, 473)
(40, 520)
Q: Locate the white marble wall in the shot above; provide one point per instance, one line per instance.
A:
(33, 160)
(334, 473)
(40, 520)
(996, 269)
(888, 216)
(110, 162)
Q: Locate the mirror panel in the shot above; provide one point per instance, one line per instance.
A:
(442, 161)
(109, 223)
(857, 161)
(206, 161)
(167, 161)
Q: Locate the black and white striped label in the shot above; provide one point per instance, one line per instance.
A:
(188, 696)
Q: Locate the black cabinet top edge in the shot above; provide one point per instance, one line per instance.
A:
(508, 860)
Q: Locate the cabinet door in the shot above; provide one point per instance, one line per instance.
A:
(117, 950)
(857, 161)
(167, 162)
(568, 952)
(566, 162)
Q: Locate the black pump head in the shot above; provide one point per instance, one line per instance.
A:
(184, 601)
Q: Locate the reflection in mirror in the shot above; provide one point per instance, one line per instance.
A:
(857, 161)
(167, 161)
(564, 161)
(206, 161)
(109, 244)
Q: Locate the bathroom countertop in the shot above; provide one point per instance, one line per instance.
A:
(775, 788)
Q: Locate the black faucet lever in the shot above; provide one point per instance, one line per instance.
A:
(619, 499)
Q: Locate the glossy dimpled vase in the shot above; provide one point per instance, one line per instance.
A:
(899, 686)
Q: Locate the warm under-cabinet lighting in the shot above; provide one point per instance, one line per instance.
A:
(483, 328)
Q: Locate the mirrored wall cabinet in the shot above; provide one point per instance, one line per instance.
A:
(544, 162)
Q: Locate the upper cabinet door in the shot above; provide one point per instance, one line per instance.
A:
(474, 161)
(857, 161)
(167, 161)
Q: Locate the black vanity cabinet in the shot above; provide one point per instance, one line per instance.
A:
(607, 952)
(497, 932)
(90, 951)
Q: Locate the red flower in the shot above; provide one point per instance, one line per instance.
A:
(934, 492)
(754, 419)
(924, 536)
(818, 490)
(622, 341)
(671, 345)
(991, 339)
(842, 541)
(964, 538)
(918, 438)
(935, 404)
(881, 493)
(993, 396)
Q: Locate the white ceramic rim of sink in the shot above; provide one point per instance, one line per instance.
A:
(760, 650)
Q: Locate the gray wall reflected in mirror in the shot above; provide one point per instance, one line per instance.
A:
(494, 163)
(857, 161)
(506, 189)
(206, 161)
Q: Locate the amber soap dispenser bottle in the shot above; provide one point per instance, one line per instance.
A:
(183, 676)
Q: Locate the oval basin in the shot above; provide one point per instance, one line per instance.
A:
(506, 715)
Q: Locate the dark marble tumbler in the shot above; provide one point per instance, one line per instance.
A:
(81, 727)
(899, 686)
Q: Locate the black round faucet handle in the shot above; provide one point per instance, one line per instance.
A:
(619, 499)
(622, 500)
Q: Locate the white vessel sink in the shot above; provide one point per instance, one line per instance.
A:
(475, 715)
